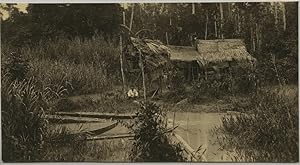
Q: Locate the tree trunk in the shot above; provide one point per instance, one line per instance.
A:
(131, 18)
(229, 11)
(222, 20)
(257, 31)
(276, 14)
(193, 8)
(239, 24)
(206, 24)
(124, 18)
(283, 16)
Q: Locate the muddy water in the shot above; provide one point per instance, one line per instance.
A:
(196, 130)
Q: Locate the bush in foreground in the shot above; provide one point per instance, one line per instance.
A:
(24, 127)
(152, 142)
(268, 130)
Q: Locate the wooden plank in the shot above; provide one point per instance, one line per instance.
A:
(97, 115)
(130, 135)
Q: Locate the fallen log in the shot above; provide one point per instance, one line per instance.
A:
(97, 115)
(70, 119)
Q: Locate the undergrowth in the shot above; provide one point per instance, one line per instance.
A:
(267, 131)
(152, 141)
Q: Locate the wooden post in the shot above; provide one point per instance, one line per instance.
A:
(122, 66)
(167, 38)
(216, 29)
(121, 56)
(143, 75)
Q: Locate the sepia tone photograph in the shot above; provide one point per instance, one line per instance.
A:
(149, 82)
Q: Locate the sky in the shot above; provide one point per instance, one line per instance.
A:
(20, 6)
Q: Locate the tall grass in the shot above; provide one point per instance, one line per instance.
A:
(83, 66)
(77, 78)
(24, 128)
(268, 130)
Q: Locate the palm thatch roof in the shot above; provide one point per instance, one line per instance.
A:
(216, 51)
(155, 53)
(183, 53)
(212, 51)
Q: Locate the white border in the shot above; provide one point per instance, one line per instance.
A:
(139, 1)
(148, 1)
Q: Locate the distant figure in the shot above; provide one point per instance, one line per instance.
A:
(132, 93)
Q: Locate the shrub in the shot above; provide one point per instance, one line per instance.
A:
(212, 87)
(152, 142)
(268, 131)
(16, 66)
(242, 81)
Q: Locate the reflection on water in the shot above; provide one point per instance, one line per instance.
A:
(195, 129)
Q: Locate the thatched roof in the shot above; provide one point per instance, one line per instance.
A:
(212, 51)
(216, 51)
(155, 52)
(183, 53)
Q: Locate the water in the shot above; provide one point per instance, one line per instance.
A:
(194, 127)
(196, 130)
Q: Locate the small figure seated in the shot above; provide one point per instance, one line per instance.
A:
(132, 93)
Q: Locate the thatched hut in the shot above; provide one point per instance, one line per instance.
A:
(156, 59)
(210, 57)
(185, 58)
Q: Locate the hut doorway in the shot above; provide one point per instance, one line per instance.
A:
(191, 71)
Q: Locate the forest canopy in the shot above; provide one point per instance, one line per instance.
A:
(268, 28)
